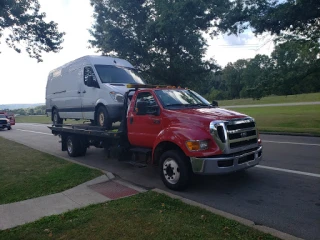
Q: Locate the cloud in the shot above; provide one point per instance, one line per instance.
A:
(230, 48)
(23, 79)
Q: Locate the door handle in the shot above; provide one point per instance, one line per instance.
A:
(84, 91)
(79, 92)
(156, 121)
(131, 120)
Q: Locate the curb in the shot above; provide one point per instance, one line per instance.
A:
(230, 216)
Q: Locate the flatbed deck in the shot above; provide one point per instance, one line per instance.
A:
(86, 129)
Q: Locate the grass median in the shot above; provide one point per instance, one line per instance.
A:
(291, 119)
(42, 119)
(144, 216)
(308, 97)
(27, 173)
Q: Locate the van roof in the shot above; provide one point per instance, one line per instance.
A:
(96, 59)
(107, 60)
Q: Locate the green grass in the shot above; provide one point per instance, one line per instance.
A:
(144, 216)
(27, 173)
(292, 119)
(42, 119)
(309, 97)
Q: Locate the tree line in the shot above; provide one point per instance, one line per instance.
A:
(292, 68)
(39, 110)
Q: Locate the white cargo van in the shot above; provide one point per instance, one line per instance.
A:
(91, 88)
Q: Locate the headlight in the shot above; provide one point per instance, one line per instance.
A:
(118, 97)
(8, 121)
(196, 145)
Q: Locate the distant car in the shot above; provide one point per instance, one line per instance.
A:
(10, 116)
(4, 122)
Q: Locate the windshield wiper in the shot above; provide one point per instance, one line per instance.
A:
(175, 105)
(199, 105)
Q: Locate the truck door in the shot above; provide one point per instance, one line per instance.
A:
(143, 129)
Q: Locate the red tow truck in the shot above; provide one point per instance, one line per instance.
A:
(176, 129)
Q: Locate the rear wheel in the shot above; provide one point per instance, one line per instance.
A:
(75, 148)
(175, 170)
(56, 118)
(102, 118)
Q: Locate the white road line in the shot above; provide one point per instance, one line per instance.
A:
(290, 171)
(294, 143)
(34, 132)
(34, 124)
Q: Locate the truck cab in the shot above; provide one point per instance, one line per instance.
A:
(179, 122)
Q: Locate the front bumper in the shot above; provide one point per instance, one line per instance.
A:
(226, 164)
(2, 126)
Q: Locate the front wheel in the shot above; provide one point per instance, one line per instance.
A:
(9, 128)
(175, 170)
(102, 118)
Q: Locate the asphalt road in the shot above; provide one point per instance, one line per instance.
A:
(283, 192)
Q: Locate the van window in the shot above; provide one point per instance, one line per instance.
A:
(88, 71)
(115, 74)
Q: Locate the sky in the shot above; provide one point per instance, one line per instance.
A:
(23, 79)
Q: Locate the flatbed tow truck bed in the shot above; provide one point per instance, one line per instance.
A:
(86, 130)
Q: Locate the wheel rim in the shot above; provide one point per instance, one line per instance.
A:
(171, 171)
(69, 146)
(101, 119)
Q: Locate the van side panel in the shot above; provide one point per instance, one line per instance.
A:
(71, 98)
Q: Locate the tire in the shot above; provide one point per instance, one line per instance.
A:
(56, 118)
(102, 118)
(9, 128)
(75, 148)
(175, 170)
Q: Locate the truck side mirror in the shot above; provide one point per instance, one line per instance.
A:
(142, 107)
(214, 103)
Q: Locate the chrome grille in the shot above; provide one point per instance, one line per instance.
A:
(235, 135)
(3, 121)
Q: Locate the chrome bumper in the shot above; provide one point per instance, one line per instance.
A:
(228, 164)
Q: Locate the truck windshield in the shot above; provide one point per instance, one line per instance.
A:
(180, 98)
(2, 116)
(116, 74)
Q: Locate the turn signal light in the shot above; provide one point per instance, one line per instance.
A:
(196, 145)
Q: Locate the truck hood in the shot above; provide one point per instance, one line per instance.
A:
(208, 113)
(117, 87)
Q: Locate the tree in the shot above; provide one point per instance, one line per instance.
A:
(295, 19)
(163, 38)
(22, 22)
(257, 77)
(297, 66)
(232, 74)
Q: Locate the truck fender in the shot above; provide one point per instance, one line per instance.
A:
(176, 137)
